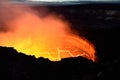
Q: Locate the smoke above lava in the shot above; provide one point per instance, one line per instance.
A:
(47, 36)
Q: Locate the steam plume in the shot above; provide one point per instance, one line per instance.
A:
(43, 36)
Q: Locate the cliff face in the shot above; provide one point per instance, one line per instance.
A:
(18, 66)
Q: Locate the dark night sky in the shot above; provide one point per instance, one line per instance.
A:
(98, 23)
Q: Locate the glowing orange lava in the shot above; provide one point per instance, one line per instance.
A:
(48, 37)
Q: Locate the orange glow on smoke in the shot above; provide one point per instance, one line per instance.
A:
(48, 37)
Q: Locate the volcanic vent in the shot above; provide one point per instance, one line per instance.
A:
(47, 36)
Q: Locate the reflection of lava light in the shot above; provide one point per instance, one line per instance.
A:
(48, 37)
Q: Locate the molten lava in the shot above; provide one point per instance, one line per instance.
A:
(48, 37)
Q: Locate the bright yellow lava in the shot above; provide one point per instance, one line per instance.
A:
(48, 37)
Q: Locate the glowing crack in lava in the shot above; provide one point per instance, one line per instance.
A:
(48, 37)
